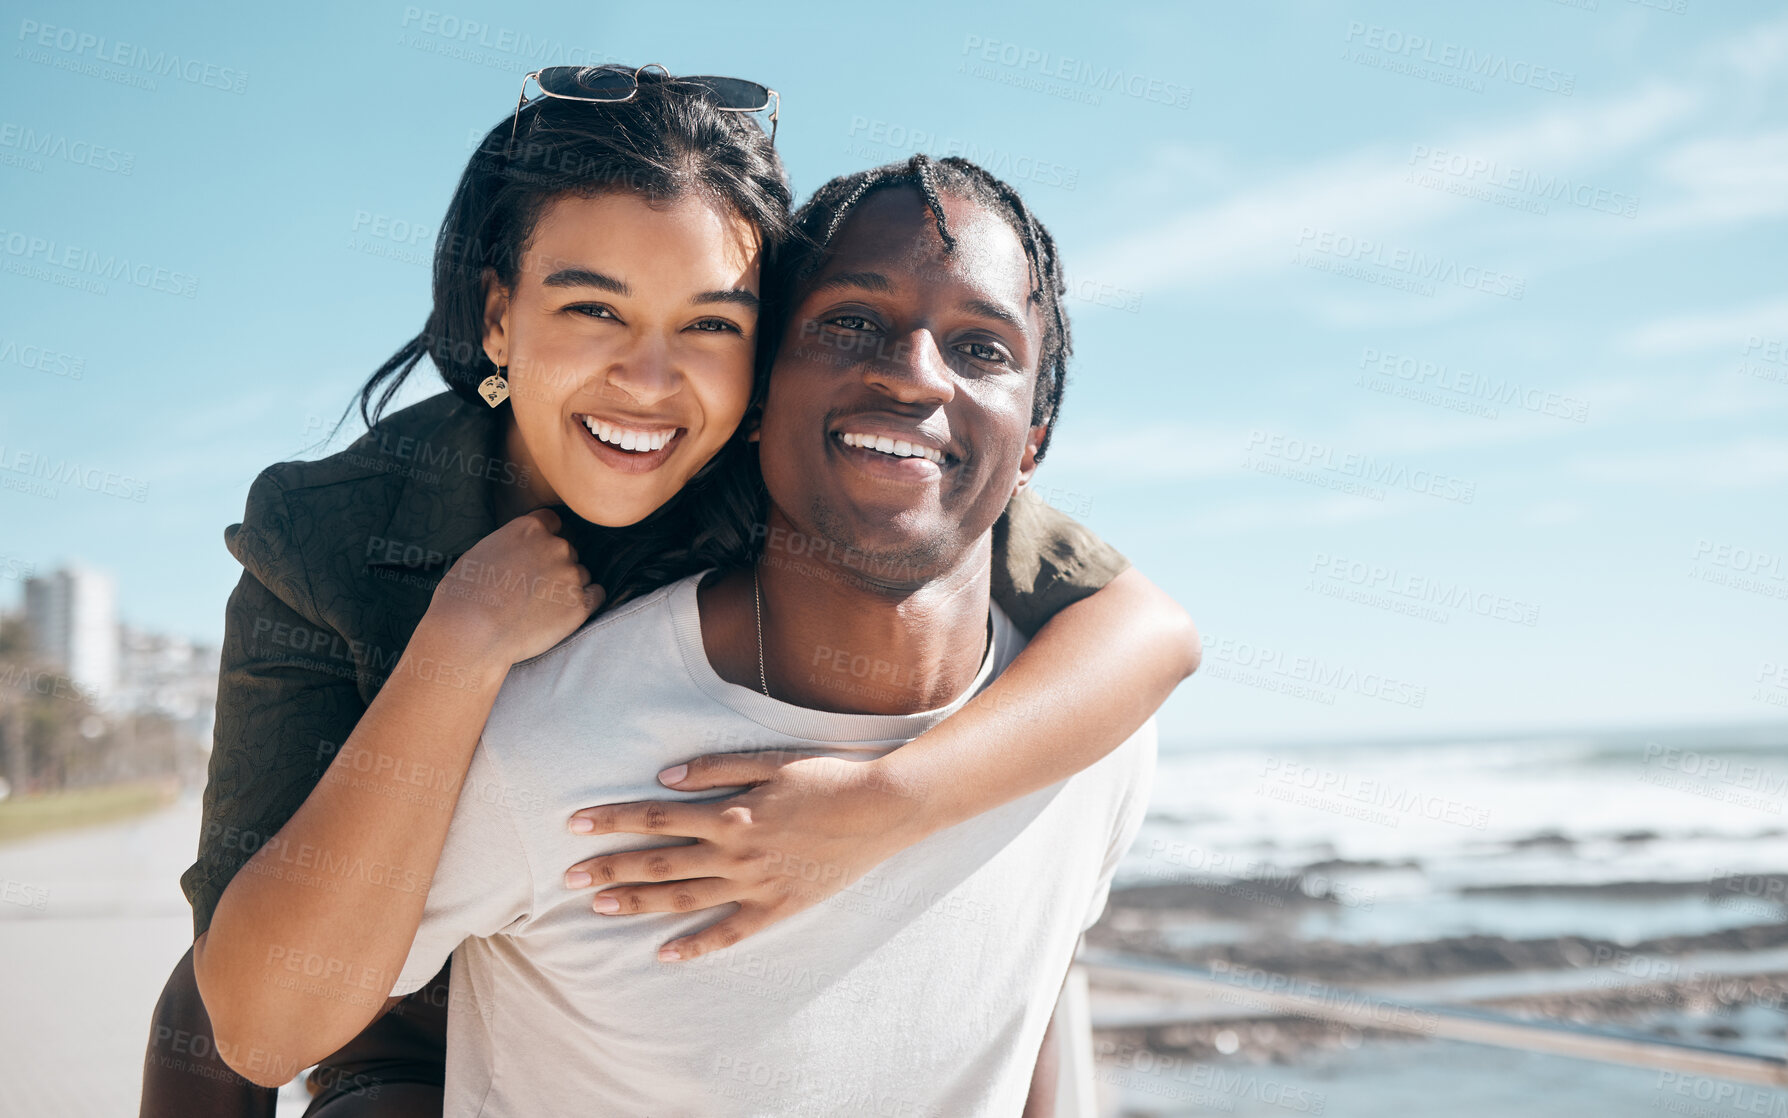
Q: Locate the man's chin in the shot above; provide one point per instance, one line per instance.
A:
(893, 547)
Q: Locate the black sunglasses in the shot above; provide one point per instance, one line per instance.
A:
(616, 84)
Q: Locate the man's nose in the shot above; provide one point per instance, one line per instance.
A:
(645, 374)
(913, 372)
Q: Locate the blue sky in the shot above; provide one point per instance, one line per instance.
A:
(1436, 357)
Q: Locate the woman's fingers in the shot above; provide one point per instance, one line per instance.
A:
(661, 863)
(674, 896)
(648, 817)
(748, 921)
(724, 770)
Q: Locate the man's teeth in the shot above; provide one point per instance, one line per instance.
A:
(899, 448)
(628, 438)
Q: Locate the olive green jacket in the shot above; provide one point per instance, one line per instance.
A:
(340, 559)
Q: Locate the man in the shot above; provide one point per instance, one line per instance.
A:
(905, 410)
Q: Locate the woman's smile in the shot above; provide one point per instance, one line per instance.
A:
(631, 448)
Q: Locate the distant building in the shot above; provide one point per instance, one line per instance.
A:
(170, 676)
(73, 614)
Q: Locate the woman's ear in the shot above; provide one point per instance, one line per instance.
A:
(496, 319)
(1027, 466)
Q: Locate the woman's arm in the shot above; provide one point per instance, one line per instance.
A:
(310, 935)
(1088, 680)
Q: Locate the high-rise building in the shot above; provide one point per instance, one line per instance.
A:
(73, 614)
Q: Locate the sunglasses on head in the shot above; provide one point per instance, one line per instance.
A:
(616, 84)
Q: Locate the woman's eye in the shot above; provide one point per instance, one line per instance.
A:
(717, 326)
(592, 310)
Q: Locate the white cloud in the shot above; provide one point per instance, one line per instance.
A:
(1365, 193)
(1739, 464)
(1726, 329)
(1724, 180)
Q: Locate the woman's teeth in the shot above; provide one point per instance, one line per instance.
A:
(628, 438)
(899, 448)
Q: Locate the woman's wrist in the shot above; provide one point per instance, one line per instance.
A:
(916, 807)
(469, 642)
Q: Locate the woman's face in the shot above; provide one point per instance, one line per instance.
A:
(629, 338)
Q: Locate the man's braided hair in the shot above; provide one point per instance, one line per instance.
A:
(820, 218)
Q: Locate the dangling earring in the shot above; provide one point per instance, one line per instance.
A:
(495, 388)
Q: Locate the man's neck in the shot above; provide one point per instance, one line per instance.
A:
(836, 640)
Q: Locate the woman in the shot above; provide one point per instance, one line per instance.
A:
(603, 267)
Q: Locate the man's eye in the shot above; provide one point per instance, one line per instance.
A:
(851, 322)
(592, 310)
(981, 351)
(716, 326)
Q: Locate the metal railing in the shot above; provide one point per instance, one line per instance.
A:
(1244, 993)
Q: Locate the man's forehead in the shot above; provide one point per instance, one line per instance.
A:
(892, 233)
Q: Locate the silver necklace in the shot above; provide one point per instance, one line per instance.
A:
(757, 599)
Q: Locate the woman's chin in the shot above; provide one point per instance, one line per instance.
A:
(612, 513)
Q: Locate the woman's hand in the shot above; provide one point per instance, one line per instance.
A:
(517, 592)
(807, 828)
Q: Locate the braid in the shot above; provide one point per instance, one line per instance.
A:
(818, 221)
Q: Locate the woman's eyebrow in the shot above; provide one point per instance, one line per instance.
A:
(590, 277)
(736, 296)
(587, 277)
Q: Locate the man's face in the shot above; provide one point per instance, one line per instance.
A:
(898, 421)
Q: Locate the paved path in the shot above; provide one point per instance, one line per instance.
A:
(91, 921)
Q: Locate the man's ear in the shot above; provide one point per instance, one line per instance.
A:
(496, 319)
(1027, 466)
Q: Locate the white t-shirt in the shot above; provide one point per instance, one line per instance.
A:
(922, 989)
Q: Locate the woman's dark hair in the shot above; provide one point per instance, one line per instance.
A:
(820, 218)
(669, 142)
